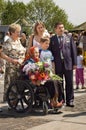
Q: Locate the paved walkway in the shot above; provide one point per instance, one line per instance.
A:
(67, 118)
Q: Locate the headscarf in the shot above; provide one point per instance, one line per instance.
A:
(30, 54)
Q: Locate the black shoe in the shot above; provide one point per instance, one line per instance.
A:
(77, 87)
(83, 87)
(71, 104)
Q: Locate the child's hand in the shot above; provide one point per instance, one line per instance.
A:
(74, 67)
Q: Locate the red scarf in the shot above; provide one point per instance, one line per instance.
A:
(31, 55)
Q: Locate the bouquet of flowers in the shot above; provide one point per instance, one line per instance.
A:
(39, 72)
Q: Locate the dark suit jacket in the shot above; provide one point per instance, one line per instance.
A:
(69, 52)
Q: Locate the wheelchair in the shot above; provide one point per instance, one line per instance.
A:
(23, 96)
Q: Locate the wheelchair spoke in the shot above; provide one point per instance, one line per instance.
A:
(16, 104)
(12, 98)
(20, 96)
(13, 92)
(22, 103)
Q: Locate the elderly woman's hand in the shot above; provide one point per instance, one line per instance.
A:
(15, 61)
(11, 60)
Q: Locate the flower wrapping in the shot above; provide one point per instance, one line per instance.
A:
(40, 72)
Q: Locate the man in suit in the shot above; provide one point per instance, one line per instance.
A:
(65, 59)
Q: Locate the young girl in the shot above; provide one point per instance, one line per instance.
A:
(79, 69)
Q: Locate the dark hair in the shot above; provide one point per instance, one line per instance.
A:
(0, 46)
(43, 39)
(58, 23)
(79, 51)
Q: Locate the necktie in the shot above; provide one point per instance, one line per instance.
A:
(60, 42)
(61, 46)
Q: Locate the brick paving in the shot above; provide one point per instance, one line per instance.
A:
(9, 120)
(19, 123)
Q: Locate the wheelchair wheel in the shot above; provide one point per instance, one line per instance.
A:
(45, 108)
(20, 96)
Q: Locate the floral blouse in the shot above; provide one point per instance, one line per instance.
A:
(15, 50)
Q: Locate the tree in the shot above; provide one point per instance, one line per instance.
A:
(47, 12)
(2, 7)
(13, 11)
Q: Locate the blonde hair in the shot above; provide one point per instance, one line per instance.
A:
(13, 27)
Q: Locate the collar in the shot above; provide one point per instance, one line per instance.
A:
(60, 36)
